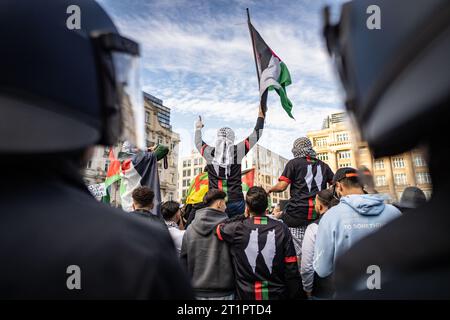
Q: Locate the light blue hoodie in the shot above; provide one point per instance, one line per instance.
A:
(355, 217)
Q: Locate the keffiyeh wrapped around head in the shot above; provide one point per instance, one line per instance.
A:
(303, 148)
(224, 151)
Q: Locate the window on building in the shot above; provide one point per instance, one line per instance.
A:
(398, 162)
(200, 161)
(89, 164)
(195, 162)
(378, 164)
(320, 141)
(345, 154)
(160, 140)
(170, 196)
(268, 180)
(400, 179)
(106, 165)
(419, 161)
(380, 181)
(147, 116)
(423, 177)
(342, 137)
(322, 156)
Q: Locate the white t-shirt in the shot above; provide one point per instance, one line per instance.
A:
(306, 269)
(177, 236)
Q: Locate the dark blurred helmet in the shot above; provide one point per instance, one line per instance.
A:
(412, 197)
(395, 78)
(62, 89)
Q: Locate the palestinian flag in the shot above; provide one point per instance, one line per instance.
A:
(112, 175)
(273, 73)
(140, 170)
(199, 185)
(248, 179)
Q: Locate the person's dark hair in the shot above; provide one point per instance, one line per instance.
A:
(213, 195)
(169, 209)
(143, 196)
(256, 200)
(349, 177)
(327, 198)
(352, 182)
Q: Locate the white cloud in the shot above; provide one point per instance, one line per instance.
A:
(204, 65)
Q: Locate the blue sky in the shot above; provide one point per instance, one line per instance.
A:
(197, 57)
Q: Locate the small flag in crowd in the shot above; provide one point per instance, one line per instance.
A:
(112, 175)
(199, 185)
(248, 179)
(197, 189)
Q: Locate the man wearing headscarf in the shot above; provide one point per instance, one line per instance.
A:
(224, 161)
(307, 175)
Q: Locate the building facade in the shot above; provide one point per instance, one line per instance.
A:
(268, 168)
(158, 131)
(267, 164)
(333, 144)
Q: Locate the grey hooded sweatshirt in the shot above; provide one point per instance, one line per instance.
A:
(207, 259)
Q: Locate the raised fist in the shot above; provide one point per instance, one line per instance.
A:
(199, 123)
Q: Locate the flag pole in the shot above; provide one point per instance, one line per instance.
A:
(264, 97)
(253, 44)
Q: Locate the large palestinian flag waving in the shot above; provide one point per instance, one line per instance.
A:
(273, 73)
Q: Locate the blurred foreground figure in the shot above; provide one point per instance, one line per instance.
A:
(397, 91)
(63, 91)
(412, 197)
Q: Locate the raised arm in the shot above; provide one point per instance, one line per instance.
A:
(285, 179)
(202, 147)
(248, 143)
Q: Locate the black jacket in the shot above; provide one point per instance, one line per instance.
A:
(264, 259)
(150, 216)
(49, 222)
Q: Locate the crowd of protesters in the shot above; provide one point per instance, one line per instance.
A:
(285, 252)
(60, 101)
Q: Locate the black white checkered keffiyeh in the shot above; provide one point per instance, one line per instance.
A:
(297, 238)
(224, 151)
(302, 148)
